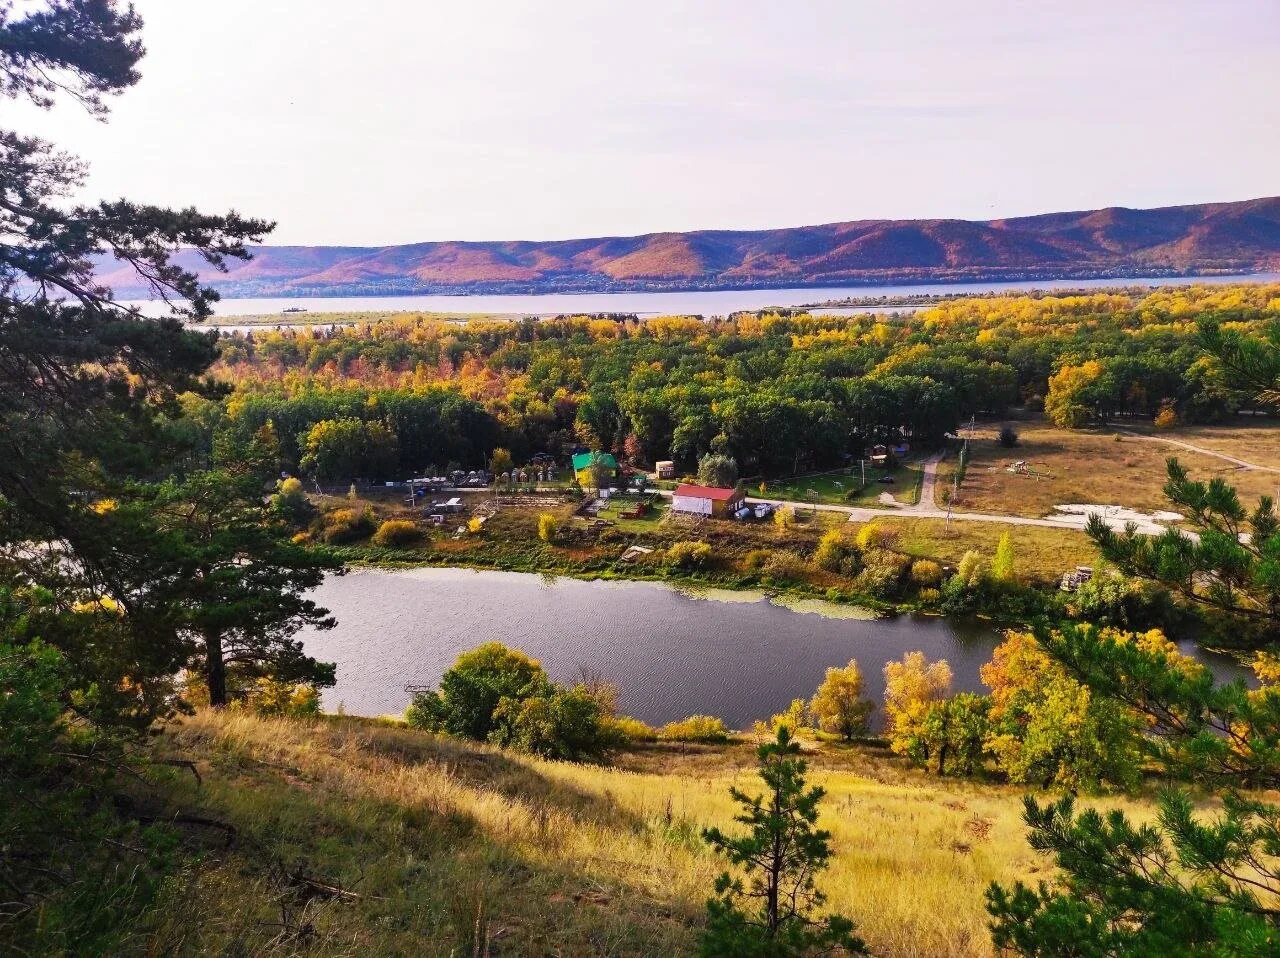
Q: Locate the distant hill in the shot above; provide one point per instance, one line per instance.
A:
(1204, 238)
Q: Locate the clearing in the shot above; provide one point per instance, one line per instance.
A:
(1084, 466)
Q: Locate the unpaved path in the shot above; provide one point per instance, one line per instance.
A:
(1243, 464)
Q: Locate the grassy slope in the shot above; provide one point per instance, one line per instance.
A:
(439, 838)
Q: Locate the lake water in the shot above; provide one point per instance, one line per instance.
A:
(670, 653)
(695, 302)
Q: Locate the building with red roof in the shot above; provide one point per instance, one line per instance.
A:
(706, 500)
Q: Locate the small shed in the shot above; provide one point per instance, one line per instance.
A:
(665, 469)
(879, 455)
(706, 500)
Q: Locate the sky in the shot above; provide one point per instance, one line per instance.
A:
(397, 121)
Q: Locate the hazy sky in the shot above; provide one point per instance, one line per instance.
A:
(390, 121)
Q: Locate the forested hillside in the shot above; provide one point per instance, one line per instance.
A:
(778, 393)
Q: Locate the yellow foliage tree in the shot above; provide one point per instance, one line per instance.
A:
(910, 687)
(838, 706)
(1065, 404)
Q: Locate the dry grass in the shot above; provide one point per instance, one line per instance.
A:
(1257, 443)
(1078, 466)
(546, 858)
(1041, 554)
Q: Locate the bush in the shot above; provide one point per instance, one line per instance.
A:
(397, 532)
(926, 572)
(347, 525)
(632, 729)
(688, 555)
(875, 535)
(785, 565)
(1008, 436)
(547, 527)
(471, 690)
(756, 559)
(291, 504)
(835, 552)
(695, 728)
(269, 697)
(1167, 418)
(569, 724)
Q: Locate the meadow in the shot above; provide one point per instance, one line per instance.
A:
(448, 848)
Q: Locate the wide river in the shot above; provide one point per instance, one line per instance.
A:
(694, 302)
(670, 653)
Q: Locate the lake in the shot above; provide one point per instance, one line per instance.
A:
(671, 653)
(694, 302)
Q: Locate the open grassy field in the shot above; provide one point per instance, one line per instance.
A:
(1041, 554)
(835, 486)
(1251, 439)
(1082, 466)
(447, 843)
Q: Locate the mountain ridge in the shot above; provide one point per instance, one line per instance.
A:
(1206, 238)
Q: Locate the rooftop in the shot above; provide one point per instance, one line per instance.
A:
(705, 492)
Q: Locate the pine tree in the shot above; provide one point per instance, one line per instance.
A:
(767, 913)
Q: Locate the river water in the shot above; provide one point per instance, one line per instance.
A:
(670, 653)
(694, 302)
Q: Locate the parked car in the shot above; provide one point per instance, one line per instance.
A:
(885, 479)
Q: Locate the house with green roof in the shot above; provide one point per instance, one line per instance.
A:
(585, 462)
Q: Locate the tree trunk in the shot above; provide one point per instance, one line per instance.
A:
(215, 670)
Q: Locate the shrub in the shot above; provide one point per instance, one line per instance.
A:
(834, 552)
(695, 728)
(875, 535)
(755, 560)
(397, 532)
(926, 572)
(1167, 418)
(291, 504)
(569, 724)
(474, 525)
(548, 526)
(471, 690)
(688, 555)
(795, 718)
(785, 565)
(347, 525)
(929, 596)
(1008, 436)
(784, 517)
(632, 729)
(269, 697)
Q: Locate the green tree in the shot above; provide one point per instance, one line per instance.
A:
(1231, 565)
(1190, 882)
(471, 690)
(339, 448)
(224, 574)
(569, 724)
(715, 469)
(500, 461)
(950, 736)
(838, 705)
(767, 911)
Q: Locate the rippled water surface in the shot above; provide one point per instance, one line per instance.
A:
(670, 653)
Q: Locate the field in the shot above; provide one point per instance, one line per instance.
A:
(1258, 442)
(445, 842)
(1086, 466)
(834, 487)
(1040, 554)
